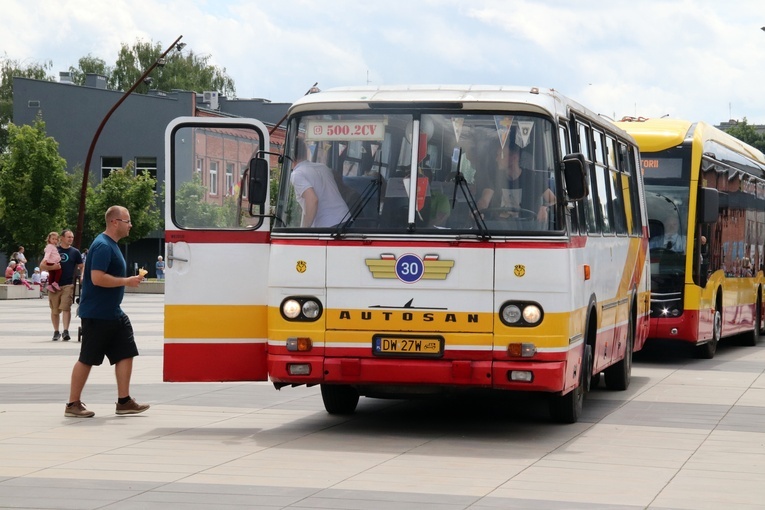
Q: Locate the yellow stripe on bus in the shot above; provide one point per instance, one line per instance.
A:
(216, 321)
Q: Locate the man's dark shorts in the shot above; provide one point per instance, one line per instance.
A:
(110, 338)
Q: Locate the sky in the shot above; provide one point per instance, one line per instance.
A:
(691, 59)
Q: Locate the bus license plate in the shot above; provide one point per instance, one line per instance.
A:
(408, 346)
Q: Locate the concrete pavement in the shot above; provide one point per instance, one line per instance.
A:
(688, 434)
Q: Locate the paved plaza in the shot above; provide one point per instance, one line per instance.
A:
(688, 434)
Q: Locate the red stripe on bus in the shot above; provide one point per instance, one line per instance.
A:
(218, 236)
(217, 362)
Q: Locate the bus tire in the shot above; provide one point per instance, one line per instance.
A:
(753, 336)
(708, 350)
(339, 398)
(568, 408)
(618, 375)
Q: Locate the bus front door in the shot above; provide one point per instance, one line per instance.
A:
(216, 254)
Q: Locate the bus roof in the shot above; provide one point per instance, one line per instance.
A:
(653, 135)
(488, 97)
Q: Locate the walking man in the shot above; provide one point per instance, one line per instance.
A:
(106, 330)
(60, 302)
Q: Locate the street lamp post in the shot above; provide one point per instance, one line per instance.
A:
(84, 189)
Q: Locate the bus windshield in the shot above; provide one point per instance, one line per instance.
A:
(667, 206)
(424, 173)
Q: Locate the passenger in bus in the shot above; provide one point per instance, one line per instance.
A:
(316, 192)
(671, 239)
(511, 189)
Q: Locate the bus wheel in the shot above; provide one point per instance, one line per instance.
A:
(568, 408)
(594, 381)
(707, 350)
(618, 375)
(754, 335)
(339, 399)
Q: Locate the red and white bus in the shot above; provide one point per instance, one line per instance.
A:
(712, 186)
(429, 283)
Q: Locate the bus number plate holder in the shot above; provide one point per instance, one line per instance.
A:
(408, 346)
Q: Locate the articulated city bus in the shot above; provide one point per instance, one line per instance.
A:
(709, 187)
(423, 240)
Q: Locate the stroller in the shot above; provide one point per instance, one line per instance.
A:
(76, 301)
(44, 284)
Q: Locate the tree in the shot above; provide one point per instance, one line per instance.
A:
(89, 65)
(191, 208)
(120, 187)
(8, 69)
(34, 188)
(183, 72)
(747, 134)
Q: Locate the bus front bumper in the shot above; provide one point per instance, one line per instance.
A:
(520, 375)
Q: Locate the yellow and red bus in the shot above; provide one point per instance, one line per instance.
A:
(709, 285)
(425, 283)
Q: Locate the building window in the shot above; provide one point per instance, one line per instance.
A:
(213, 177)
(110, 164)
(200, 165)
(147, 165)
(229, 178)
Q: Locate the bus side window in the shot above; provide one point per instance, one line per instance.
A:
(564, 142)
(618, 184)
(631, 167)
(604, 203)
(587, 209)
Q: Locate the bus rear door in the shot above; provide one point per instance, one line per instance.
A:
(216, 253)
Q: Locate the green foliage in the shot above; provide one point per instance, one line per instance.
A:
(121, 187)
(9, 69)
(192, 210)
(273, 187)
(747, 134)
(89, 65)
(73, 208)
(34, 188)
(183, 71)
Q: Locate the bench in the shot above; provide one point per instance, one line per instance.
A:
(9, 291)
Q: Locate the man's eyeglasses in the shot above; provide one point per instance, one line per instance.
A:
(123, 221)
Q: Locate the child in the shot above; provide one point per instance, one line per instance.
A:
(52, 257)
(36, 277)
(19, 277)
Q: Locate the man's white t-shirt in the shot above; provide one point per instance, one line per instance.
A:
(332, 208)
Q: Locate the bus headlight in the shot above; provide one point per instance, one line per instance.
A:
(291, 309)
(532, 314)
(311, 309)
(511, 314)
(520, 313)
(301, 308)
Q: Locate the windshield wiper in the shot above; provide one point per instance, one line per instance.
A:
(459, 180)
(372, 189)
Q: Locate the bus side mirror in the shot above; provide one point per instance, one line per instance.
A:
(575, 176)
(258, 185)
(707, 208)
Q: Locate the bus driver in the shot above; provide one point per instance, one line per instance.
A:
(504, 188)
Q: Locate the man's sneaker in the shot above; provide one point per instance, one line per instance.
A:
(65, 337)
(131, 407)
(77, 410)
(56, 336)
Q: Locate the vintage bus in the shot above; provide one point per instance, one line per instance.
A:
(423, 240)
(712, 186)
